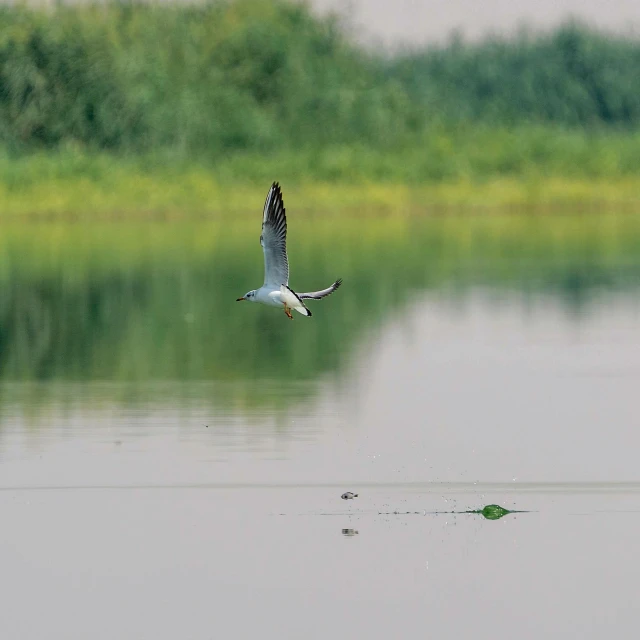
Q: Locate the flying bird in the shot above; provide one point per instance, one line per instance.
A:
(349, 495)
(275, 291)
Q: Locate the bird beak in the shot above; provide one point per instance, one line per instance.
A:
(240, 299)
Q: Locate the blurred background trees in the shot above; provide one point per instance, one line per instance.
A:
(212, 79)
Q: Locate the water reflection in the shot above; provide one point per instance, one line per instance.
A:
(139, 302)
(131, 329)
(471, 366)
(488, 392)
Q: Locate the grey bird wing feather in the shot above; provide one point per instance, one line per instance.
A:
(317, 295)
(274, 239)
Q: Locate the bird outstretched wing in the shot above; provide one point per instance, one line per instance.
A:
(316, 295)
(274, 239)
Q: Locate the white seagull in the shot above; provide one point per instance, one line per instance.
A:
(275, 291)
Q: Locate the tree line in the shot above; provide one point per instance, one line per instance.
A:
(211, 79)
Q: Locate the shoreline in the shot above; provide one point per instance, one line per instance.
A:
(197, 193)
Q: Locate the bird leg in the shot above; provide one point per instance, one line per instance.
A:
(288, 312)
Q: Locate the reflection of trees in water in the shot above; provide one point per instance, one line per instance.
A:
(50, 329)
(581, 285)
(169, 313)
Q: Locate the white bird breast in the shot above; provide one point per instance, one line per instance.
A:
(269, 296)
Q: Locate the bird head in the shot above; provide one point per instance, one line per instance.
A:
(250, 296)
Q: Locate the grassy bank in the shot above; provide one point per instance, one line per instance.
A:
(193, 193)
(537, 169)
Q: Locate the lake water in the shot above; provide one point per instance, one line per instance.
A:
(171, 462)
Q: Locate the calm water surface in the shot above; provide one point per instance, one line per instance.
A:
(171, 463)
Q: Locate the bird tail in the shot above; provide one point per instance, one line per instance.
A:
(302, 309)
(355, 495)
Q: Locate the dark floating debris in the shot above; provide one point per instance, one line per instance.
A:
(491, 512)
(411, 513)
(349, 495)
(350, 532)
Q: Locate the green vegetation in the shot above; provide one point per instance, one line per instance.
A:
(584, 171)
(205, 80)
(572, 77)
(161, 108)
(492, 512)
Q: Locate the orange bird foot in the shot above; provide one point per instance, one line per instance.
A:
(288, 312)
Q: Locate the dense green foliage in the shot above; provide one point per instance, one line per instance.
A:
(212, 79)
(574, 76)
(191, 79)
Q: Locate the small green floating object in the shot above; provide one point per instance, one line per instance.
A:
(492, 512)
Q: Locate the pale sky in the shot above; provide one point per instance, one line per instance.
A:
(397, 22)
